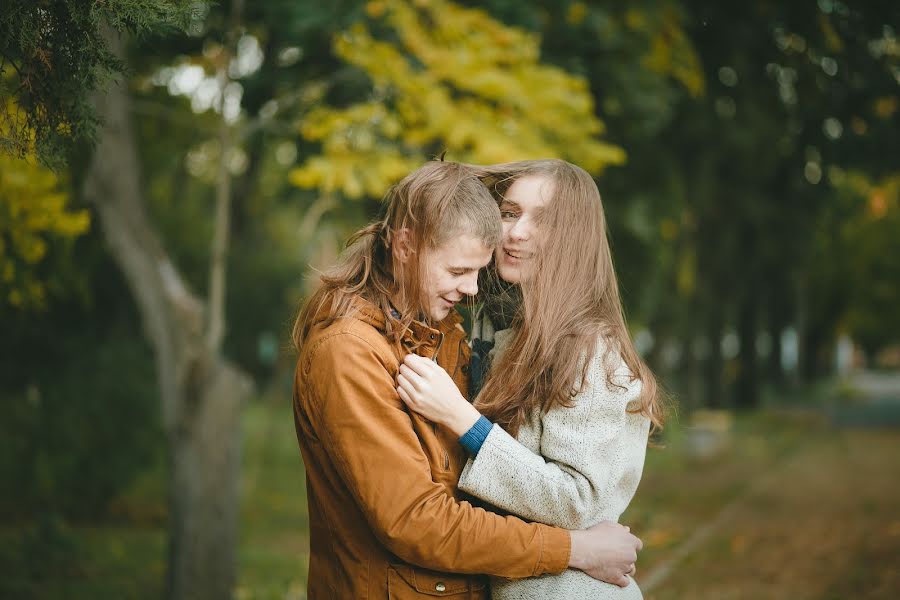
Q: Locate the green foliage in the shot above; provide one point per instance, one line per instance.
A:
(34, 214)
(639, 57)
(861, 229)
(53, 54)
(50, 558)
(80, 430)
(78, 409)
(724, 211)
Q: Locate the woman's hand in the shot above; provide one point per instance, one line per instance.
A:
(427, 389)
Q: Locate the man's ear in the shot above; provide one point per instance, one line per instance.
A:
(401, 245)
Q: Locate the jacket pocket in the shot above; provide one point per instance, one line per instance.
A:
(406, 582)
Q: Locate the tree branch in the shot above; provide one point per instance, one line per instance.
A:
(219, 251)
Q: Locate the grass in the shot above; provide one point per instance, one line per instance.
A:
(274, 549)
(827, 529)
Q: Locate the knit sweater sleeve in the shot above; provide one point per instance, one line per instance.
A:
(590, 462)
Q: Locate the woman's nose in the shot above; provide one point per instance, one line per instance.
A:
(521, 230)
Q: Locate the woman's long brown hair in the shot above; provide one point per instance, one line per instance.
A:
(571, 296)
(437, 202)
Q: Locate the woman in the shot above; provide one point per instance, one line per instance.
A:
(558, 431)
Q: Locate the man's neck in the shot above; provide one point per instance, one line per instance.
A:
(396, 310)
(400, 310)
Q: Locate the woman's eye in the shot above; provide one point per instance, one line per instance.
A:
(506, 214)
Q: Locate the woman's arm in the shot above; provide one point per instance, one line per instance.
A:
(591, 454)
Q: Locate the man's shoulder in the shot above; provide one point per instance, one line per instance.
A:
(347, 338)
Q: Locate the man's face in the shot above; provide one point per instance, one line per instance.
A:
(520, 209)
(451, 273)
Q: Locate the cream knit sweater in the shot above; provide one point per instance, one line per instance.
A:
(572, 468)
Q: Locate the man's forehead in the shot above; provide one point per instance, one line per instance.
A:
(470, 262)
(465, 252)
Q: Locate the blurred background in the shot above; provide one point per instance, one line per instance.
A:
(172, 173)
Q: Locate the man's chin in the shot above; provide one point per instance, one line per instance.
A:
(439, 314)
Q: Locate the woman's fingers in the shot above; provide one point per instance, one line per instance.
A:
(410, 396)
(419, 364)
(401, 391)
(408, 393)
(411, 376)
(403, 382)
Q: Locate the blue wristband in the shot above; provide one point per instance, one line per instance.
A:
(474, 438)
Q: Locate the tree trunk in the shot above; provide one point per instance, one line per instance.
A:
(777, 320)
(805, 352)
(205, 452)
(747, 388)
(747, 393)
(714, 388)
(201, 393)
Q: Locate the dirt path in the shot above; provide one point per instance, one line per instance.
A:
(825, 524)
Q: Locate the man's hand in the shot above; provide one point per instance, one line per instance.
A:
(607, 551)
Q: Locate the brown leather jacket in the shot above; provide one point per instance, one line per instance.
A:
(386, 519)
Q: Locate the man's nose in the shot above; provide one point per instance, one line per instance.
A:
(469, 284)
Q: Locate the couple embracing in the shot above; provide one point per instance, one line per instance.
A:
(497, 466)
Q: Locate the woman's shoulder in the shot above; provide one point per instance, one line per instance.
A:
(607, 369)
(606, 351)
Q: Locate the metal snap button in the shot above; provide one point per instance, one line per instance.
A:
(440, 587)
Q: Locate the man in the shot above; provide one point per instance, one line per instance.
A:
(386, 519)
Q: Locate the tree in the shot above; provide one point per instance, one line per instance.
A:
(743, 180)
(60, 53)
(201, 391)
(52, 57)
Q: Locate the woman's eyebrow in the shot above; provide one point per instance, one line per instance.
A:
(510, 203)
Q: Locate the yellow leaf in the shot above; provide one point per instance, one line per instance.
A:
(448, 77)
(576, 13)
(34, 216)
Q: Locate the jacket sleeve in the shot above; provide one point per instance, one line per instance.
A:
(592, 456)
(360, 419)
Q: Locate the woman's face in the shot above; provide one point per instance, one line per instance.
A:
(522, 204)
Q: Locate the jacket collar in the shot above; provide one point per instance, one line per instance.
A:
(419, 337)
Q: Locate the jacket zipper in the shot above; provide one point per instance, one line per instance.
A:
(434, 357)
